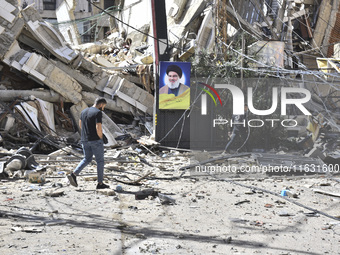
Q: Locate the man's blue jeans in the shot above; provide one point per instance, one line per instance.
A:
(91, 148)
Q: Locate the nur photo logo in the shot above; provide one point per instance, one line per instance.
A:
(238, 99)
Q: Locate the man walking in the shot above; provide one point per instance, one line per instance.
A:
(90, 124)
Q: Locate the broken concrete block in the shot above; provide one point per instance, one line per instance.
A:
(90, 67)
(109, 140)
(12, 50)
(55, 193)
(76, 110)
(110, 130)
(55, 78)
(116, 105)
(179, 27)
(107, 192)
(45, 115)
(86, 82)
(138, 38)
(149, 103)
(131, 101)
(100, 60)
(124, 105)
(322, 24)
(143, 97)
(103, 82)
(91, 48)
(46, 72)
(131, 93)
(177, 8)
(30, 61)
(206, 34)
(187, 54)
(112, 84)
(47, 35)
(336, 51)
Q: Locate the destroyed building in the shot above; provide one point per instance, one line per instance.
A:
(41, 69)
(57, 57)
(120, 66)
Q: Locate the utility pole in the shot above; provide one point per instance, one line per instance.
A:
(165, 120)
(242, 62)
(222, 25)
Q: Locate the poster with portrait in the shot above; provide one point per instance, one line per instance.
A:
(174, 85)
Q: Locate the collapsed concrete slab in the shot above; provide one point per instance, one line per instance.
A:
(206, 34)
(29, 113)
(116, 105)
(86, 81)
(122, 89)
(110, 130)
(180, 26)
(47, 35)
(46, 72)
(46, 115)
(135, 96)
(89, 66)
(76, 110)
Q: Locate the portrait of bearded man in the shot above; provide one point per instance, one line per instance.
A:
(173, 84)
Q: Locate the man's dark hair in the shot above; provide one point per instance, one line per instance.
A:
(174, 68)
(100, 100)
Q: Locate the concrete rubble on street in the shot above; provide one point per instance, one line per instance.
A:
(163, 200)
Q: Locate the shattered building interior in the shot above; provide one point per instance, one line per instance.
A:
(57, 57)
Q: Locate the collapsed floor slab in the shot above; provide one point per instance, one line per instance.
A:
(47, 35)
(46, 72)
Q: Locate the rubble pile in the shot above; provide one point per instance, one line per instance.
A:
(155, 207)
(47, 83)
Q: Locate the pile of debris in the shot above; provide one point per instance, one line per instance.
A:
(46, 81)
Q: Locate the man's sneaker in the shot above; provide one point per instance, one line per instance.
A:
(73, 179)
(102, 186)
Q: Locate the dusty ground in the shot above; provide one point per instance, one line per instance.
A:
(209, 217)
